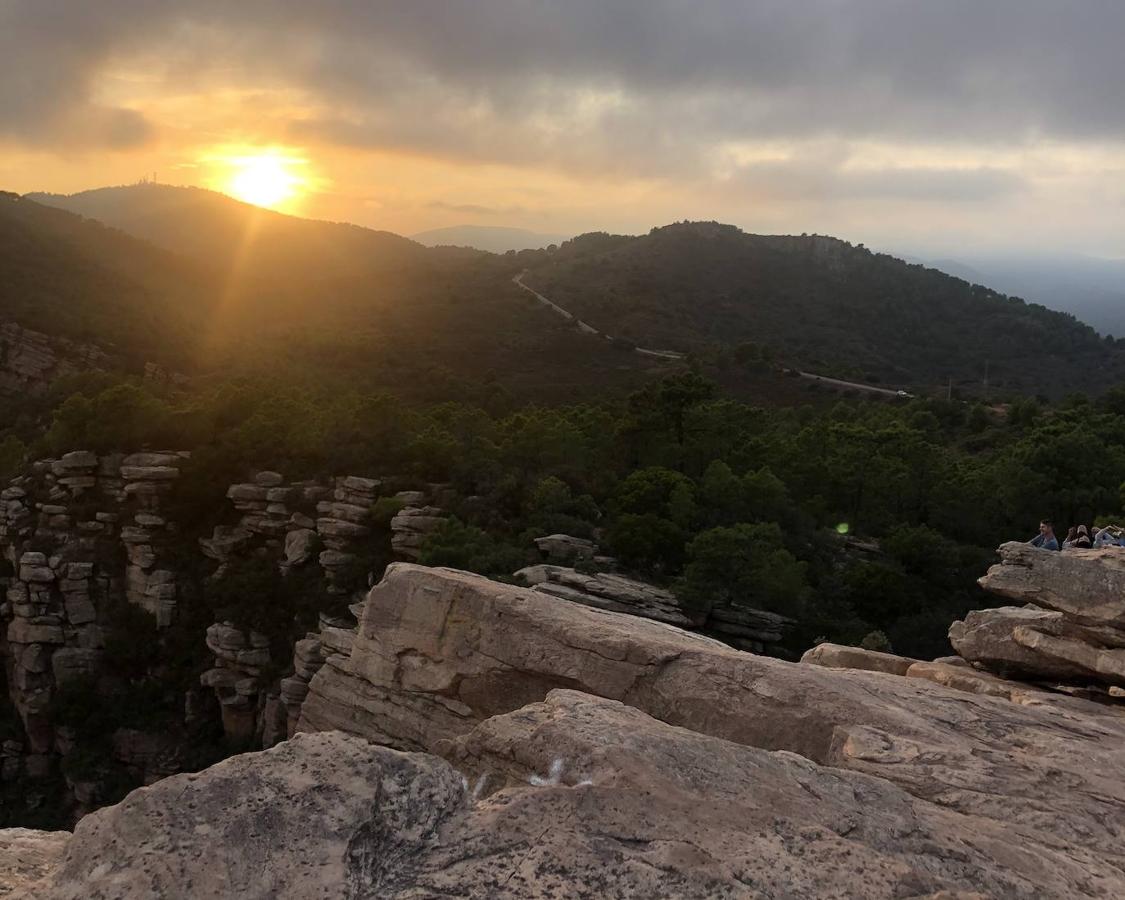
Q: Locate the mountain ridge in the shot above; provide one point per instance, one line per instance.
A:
(820, 303)
(726, 297)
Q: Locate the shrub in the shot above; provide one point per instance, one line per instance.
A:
(461, 546)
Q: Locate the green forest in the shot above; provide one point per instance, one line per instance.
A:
(721, 477)
(688, 487)
(821, 304)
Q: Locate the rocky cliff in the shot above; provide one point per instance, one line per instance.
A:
(87, 541)
(30, 361)
(91, 540)
(1071, 628)
(532, 747)
(81, 535)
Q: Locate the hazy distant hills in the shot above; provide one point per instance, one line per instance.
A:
(822, 304)
(492, 238)
(1091, 289)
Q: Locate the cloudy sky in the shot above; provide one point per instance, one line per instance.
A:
(934, 126)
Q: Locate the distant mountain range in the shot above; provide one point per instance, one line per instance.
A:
(823, 304)
(492, 238)
(187, 267)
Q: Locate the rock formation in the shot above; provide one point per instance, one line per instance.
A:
(740, 626)
(588, 753)
(439, 652)
(606, 590)
(81, 533)
(575, 796)
(564, 549)
(30, 361)
(1072, 628)
(84, 535)
(411, 526)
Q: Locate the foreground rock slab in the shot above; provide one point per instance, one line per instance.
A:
(714, 818)
(576, 796)
(26, 857)
(320, 816)
(439, 651)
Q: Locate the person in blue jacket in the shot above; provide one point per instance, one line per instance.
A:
(1046, 539)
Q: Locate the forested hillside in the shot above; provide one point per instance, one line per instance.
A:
(78, 279)
(226, 233)
(716, 480)
(821, 304)
(236, 289)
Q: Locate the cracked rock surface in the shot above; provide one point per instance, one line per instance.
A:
(576, 796)
(545, 749)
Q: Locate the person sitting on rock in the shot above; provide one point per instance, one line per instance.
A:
(1082, 541)
(1106, 537)
(1071, 535)
(1046, 539)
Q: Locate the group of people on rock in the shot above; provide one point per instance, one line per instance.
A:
(1079, 537)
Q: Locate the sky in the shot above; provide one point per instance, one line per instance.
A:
(929, 126)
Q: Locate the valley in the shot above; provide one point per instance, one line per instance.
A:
(211, 456)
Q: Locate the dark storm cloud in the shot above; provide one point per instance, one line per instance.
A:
(588, 83)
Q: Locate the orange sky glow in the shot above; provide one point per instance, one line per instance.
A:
(372, 113)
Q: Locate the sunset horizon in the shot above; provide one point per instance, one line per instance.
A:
(539, 449)
(970, 127)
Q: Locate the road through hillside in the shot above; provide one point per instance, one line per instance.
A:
(586, 327)
(851, 385)
(671, 354)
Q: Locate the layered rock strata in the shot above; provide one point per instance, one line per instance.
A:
(30, 360)
(438, 652)
(606, 591)
(81, 533)
(740, 626)
(300, 524)
(1072, 628)
(84, 534)
(410, 528)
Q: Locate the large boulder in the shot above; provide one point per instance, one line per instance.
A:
(438, 652)
(320, 816)
(576, 796)
(1072, 628)
(838, 656)
(564, 548)
(1030, 642)
(1087, 585)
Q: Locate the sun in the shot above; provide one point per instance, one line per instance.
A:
(268, 178)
